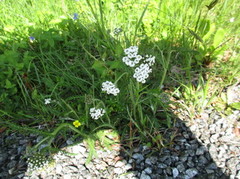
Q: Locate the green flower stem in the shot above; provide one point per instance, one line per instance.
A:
(136, 108)
(54, 133)
(165, 64)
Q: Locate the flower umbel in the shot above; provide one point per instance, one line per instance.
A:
(132, 57)
(76, 123)
(97, 113)
(141, 73)
(110, 88)
(38, 162)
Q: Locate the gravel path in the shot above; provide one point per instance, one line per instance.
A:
(209, 147)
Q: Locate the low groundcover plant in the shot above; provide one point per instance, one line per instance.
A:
(125, 108)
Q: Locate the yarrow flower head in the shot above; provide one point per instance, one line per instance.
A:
(37, 162)
(132, 57)
(141, 73)
(76, 123)
(47, 101)
(97, 113)
(110, 88)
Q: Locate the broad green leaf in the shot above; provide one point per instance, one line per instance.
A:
(99, 67)
(10, 57)
(118, 49)
(34, 94)
(115, 64)
(19, 66)
(210, 32)
(235, 105)
(218, 37)
(8, 84)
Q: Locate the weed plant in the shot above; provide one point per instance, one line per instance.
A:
(85, 66)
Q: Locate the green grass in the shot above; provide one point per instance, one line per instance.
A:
(68, 60)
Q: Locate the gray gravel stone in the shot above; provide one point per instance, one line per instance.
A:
(192, 172)
(190, 163)
(138, 157)
(209, 171)
(212, 166)
(79, 149)
(162, 165)
(119, 164)
(168, 161)
(214, 137)
(175, 172)
(202, 160)
(127, 167)
(181, 168)
(200, 150)
(58, 168)
(168, 171)
(144, 176)
(148, 170)
(118, 171)
(151, 160)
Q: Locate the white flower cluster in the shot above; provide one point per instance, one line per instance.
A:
(97, 113)
(141, 73)
(150, 60)
(37, 162)
(132, 57)
(110, 88)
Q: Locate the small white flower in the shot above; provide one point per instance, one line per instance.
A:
(150, 60)
(131, 64)
(48, 101)
(125, 59)
(97, 113)
(232, 19)
(131, 49)
(110, 88)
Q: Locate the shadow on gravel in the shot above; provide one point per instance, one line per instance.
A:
(185, 158)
